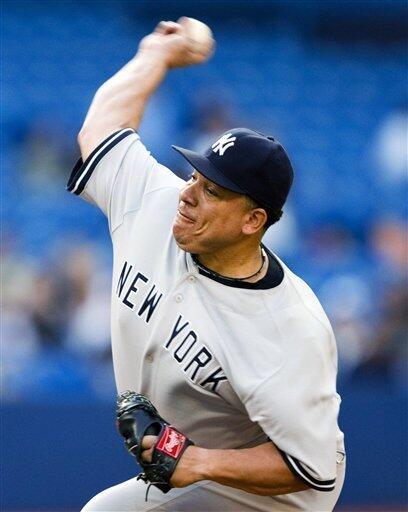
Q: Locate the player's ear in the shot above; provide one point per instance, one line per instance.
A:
(254, 220)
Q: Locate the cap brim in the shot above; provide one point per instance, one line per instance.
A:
(203, 165)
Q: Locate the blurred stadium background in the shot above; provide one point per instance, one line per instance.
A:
(326, 78)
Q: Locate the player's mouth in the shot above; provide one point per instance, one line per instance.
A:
(185, 217)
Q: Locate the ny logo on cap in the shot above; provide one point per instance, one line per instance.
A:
(223, 143)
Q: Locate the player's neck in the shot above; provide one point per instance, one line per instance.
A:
(237, 262)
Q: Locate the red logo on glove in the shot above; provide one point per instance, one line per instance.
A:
(171, 442)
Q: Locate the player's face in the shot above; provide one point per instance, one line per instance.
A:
(209, 217)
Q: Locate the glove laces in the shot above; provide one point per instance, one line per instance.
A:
(143, 477)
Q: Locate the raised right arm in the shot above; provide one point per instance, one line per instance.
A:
(120, 102)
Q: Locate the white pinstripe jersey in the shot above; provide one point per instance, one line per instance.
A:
(230, 367)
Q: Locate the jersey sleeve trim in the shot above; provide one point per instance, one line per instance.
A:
(298, 470)
(83, 170)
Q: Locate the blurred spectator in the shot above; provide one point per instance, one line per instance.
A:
(333, 264)
(88, 332)
(47, 314)
(50, 317)
(17, 277)
(347, 299)
(158, 124)
(330, 248)
(389, 245)
(387, 356)
(46, 153)
(391, 147)
(212, 117)
(283, 237)
(389, 167)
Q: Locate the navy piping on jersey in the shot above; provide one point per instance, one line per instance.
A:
(273, 277)
(298, 470)
(83, 170)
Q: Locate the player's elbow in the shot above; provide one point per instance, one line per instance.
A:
(82, 136)
(85, 142)
(89, 137)
(92, 135)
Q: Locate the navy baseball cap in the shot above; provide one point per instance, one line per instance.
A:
(247, 162)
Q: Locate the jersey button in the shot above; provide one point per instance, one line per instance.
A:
(191, 279)
(178, 297)
(149, 358)
(340, 457)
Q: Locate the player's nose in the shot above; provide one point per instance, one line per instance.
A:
(188, 194)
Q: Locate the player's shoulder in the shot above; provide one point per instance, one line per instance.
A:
(110, 143)
(126, 148)
(301, 308)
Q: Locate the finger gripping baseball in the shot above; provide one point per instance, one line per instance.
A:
(136, 418)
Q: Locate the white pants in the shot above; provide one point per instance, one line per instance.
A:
(206, 496)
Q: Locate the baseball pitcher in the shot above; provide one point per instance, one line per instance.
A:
(224, 359)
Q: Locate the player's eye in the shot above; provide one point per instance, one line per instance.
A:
(211, 191)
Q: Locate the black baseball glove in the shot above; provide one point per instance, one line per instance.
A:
(137, 417)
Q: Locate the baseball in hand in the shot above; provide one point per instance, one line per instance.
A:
(199, 35)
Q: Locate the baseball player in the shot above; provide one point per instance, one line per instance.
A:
(229, 345)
